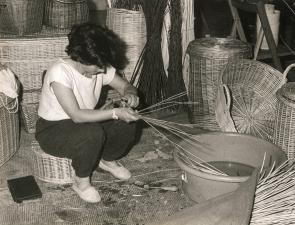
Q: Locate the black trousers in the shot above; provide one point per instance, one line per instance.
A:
(86, 143)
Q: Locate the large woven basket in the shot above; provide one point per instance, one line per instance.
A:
(21, 16)
(253, 86)
(65, 13)
(207, 58)
(131, 27)
(284, 128)
(50, 168)
(28, 57)
(9, 128)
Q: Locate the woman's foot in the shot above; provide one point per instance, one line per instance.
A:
(85, 191)
(115, 168)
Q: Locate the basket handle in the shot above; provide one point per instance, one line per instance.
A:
(222, 109)
(286, 71)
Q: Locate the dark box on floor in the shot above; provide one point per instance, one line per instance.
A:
(24, 188)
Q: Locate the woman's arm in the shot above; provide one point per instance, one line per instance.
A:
(126, 90)
(68, 102)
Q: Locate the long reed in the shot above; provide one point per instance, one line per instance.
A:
(178, 132)
(274, 201)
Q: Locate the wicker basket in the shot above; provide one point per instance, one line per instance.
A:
(21, 16)
(131, 27)
(253, 86)
(207, 58)
(50, 168)
(65, 13)
(284, 128)
(28, 57)
(9, 128)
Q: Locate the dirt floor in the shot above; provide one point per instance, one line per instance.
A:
(124, 203)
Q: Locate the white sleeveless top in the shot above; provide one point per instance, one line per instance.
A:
(86, 90)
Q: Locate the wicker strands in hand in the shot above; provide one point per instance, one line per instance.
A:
(65, 13)
(9, 128)
(130, 25)
(49, 168)
(207, 58)
(21, 16)
(253, 87)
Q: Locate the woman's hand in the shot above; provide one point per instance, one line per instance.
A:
(132, 100)
(127, 114)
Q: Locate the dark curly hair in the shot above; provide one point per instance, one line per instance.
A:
(92, 44)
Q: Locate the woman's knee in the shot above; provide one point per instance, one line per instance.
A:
(90, 133)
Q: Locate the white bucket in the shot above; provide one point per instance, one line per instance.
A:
(274, 22)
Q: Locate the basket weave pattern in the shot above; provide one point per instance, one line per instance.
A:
(284, 131)
(21, 16)
(208, 57)
(253, 86)
(65, 13)
(131, 27)
(28, 58)
(9, 129)
(50, 168)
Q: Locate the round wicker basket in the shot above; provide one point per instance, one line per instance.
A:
(50, 168)
(130, 25)
(253, 86)
(9, 128)
(65, 13)
(207, 57)
(284, 128)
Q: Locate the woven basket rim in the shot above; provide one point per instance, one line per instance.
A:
(124, 10)
(214, 47)
(69, 1)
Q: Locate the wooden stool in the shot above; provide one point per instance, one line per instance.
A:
(258, 7)
(50, 168)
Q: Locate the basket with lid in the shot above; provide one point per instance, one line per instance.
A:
(207, 58)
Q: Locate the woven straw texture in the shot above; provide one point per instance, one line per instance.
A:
(21, 16)
(65, 13)
(253, 86)
(49, 168)
(284, 128)
(207, 58)
(28, 58)
(131, 27)
(9, 128)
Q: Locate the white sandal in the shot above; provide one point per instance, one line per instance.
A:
(117, 170)
(90, 194)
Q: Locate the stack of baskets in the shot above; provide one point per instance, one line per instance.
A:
(28, 58)
(130, 25)
(25, 17)
(9, 128)
(208, 57)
